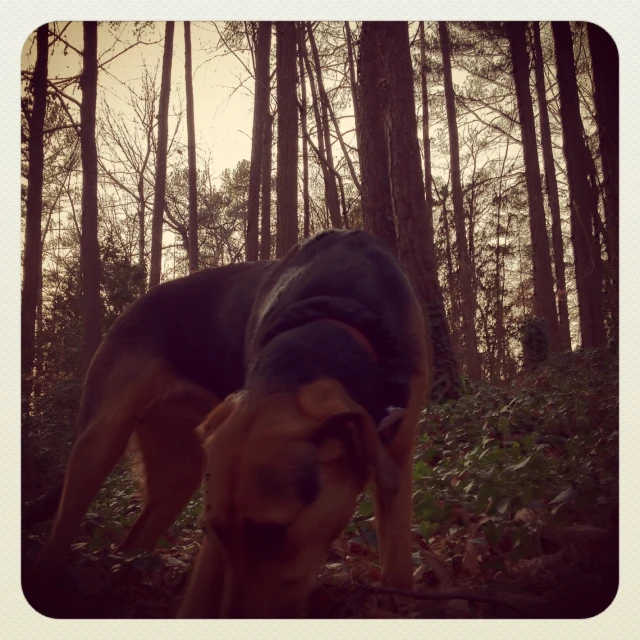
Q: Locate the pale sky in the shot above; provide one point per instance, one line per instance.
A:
(223, 105)
(223, 118)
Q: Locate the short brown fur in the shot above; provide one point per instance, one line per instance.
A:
(316, 447)
(141, 398)
(250, 430)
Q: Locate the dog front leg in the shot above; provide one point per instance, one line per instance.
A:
(203, 598)
(394, 514)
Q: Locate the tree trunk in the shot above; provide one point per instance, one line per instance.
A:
(141, 239)
(305, 134)
(377, 207)
(416, 248)
(142, 211)
(287, 175)
(472, 359)
(499, 280)
(343, 200)
(324, 108)
(426, 142)
(544, 301)
(552, 192)
(455, 318)
(260, 115)
(606, 76)
(32, 270)
(588, 274)
(330, 189)
(89, 249)
(598, 229)
(161, 159)
(345, 153)
(191, 146)
(471, 215)
(499, 330)
(353, 86)
(265, 229)
(38, 363)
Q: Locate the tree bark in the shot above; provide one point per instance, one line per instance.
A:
(416, 248)
(544, 300)
(353, 86)
(606, 76)
(499, 280)
(343, 200)
(330, 189)
(148, 126)
(468, 305)
(141, 224)
(32, 269)
(191, 147)
(552, 192)
(455, 317)
(426, 142)
(377, 207)
(38, 359)
(260, 115)
(305, 134)
(287, 175)
(345, 153)
(599, 232)
(265, 229)
(588, 274)
(161, 159)
(89, 248)
(325, 107)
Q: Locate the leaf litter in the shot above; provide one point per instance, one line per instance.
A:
(515, 515)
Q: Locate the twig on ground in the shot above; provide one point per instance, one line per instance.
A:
(446, 595)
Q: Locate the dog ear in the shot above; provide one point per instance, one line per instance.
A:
(370, 449)
(220, 415)
(322, 399)
(327, 401)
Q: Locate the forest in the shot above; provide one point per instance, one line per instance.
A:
(485, 155)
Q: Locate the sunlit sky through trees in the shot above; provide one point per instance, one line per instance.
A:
(223, 83)
(223, 92)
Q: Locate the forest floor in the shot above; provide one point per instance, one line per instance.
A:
(515, 514)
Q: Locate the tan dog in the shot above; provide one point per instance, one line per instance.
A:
(321, 344)
(288, 457)
(264, 542)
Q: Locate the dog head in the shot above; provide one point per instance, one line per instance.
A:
(283, 476)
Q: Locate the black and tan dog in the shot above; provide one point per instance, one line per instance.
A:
(309, 353)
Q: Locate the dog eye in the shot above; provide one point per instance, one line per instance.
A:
(264, 539)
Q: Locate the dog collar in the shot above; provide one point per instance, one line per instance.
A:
(355, 334)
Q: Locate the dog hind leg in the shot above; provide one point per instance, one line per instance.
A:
(129, 386)
(93, 456)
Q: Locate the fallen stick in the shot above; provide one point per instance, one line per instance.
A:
(448, 595)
